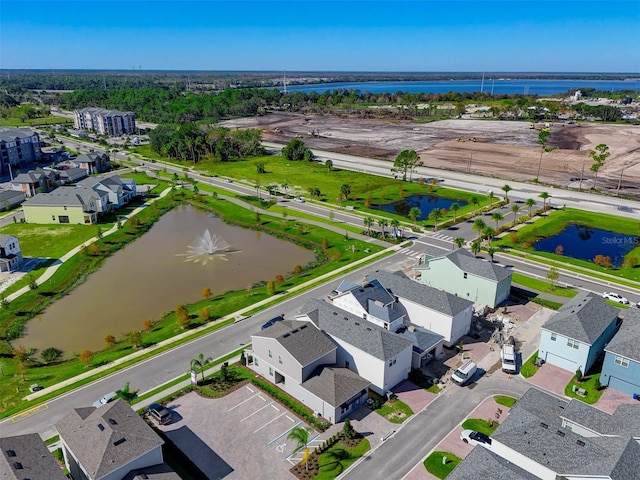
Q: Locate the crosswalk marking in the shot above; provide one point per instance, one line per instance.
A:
(441, 236)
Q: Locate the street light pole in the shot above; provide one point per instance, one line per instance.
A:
(470, 158)
(619, 182)
(582, 175)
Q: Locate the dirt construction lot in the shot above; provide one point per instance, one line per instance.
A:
(505, 149)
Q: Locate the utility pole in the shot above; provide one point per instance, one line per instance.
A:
(582, 176)
(470, 158)
(619, 182)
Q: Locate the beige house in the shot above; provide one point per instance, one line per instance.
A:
(63, 205)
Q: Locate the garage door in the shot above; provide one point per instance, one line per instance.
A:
(623, 386)
(558, 361)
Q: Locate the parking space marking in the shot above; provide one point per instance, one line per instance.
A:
(285, 432)
(275, 407)
(291, 419)
(244, 401)
(252, 414)
(268, 423)
(249, 389)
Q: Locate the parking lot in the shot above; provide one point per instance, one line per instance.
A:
(242, 435)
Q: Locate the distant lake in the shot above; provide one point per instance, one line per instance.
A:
(497, 86)
(426, 203)
(580, 241)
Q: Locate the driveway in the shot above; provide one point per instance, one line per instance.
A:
(551, 378)
(239, 436)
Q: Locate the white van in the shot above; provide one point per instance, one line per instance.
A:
(464, 373)
(508, 356)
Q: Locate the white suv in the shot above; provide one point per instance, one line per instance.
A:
(615, 297)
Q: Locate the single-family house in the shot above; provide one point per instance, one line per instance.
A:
(463, 274)
(93, 162)
(10, 253)
(436, 310)
(107, 443)
(35, 181)
(301, 360)
(378, 355)
(27, 457)
(576, 335)
(621, 367)
(547, 437)
(64, 205)
(72, 175)
(117, 191)
(10, 199)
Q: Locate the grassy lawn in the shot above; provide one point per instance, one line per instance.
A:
(33, 122)
(505, 400)
(529, 369)
(543, 286)
(395, 411)
(338, 458)
(590, 384)
(556, 221)
(434, 466)
(480, 425)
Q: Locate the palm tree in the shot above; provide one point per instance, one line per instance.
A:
(395, 224)
(329, 164)
(479, 225)
(368, 222)
(454, 208)
(530, 202)
(382, 223)
(506, 189)
(543, 136)
(515, 208)
(300, 435)
(474, 201)
(458, 242)
(285, 187)
(414, 214)
(491, 197)
(488, 233)
(497, 217)
(491, 251)
(345, 190)
(435, 215)
(199, 364)
(475, 248)
(544, 196)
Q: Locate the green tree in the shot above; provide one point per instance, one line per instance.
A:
(135, 338)
(110, 341)
(260, 168)
(492, 196)
(347, 429)
(300, 435)
(552, 275)
(296, 150)
(414, 214)
(459, 242)
(488, 233)
(475, 202)
(454, 208)
(345, 190)
(544, 196)
(434, 216)
(543, 137)
(50, 354)
(599, 156)
(329, 164)
(368, 222)
(476, 247)
(506, 189)
(33, 283)
(515, 208)
(491, 251)
(530, 203)
(479, 225)
(497, 217)
(198, 364)
(395, 224)
(407, 161)
(382, 223)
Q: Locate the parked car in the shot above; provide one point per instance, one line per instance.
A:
(638, 305)
(463, 374)
(228, 180)
(508, 356)
(615, 297)
(159, 413)
(475, 438)
(273, 321)
(109, 397)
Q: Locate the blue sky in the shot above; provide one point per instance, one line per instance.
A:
(323, 35)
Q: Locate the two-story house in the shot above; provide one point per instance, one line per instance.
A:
(621, 367)
(576, 335)
(35, 181)
(463, 274)
(27, 457)
(63, 205)
(10, 253)
(93, 163)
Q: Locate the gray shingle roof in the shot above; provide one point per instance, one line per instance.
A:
(124, 436)
(627, 341)
(439, 300)
(372, 290)
(388, 313)
(482, 463)
(467, 262)
(29, 177)
(69, 196)
(534, 429)
(624, 421)
(156, 472)
(335, 385)
(346, 285)
(9, 134)
(302, 340)
(104, 112)
(362, 334)
(26, 456)
(584, 318)
(421, 338)
(6, 195)
(90, 157)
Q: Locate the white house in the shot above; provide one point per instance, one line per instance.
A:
(107, 443)
(435, 310)
(10, 253)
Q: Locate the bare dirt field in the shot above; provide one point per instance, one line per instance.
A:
(505, 149)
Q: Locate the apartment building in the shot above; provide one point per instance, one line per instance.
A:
(104, 122)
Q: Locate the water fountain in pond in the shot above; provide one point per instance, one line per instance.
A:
(207, 248)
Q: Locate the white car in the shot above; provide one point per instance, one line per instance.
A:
(475, 438)
(615, 297)
(298, 199)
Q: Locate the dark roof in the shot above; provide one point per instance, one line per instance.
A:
(335, 385)
(90, 157)
(10, 194)
(302, 340)
(534, 429)
(482, 463)
(29, 177)
(386, 313)
(9, 134)
(63, 196)
(624, 421)
(156, 472)
(400, 285)
(421, 338)
(366, 336)
(373, 291)
(346, 285)
(584, 318)
(26, 456)
(626, 341)
(107, 438)
(467, 262)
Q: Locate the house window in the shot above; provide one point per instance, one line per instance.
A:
(270, 354)
(465, 274)
(255, 361)
(553, 337)
(573, 343)
(271, 371)
(392, 362)
(346, 364)
(65, 207)
(280, 359)
(53, 217)
(623, 362)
